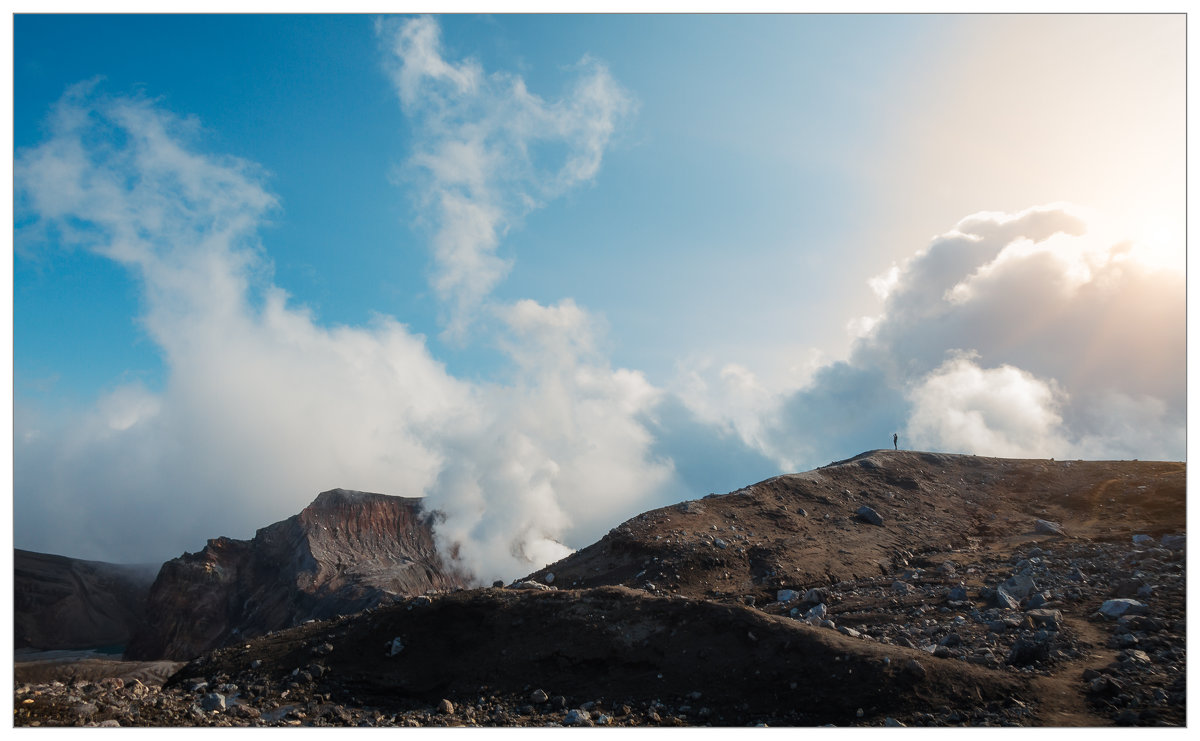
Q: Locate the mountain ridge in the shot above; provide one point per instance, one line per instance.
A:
(345, 552)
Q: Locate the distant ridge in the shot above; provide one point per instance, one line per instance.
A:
(68, 603)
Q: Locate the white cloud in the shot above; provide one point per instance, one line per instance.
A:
(415, 60)
(489, 151)
(1003, 412)
(1064, 330)
(263, 406)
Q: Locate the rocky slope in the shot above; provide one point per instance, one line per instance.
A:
(66, 603)
(869, 516)
(969, 592)
(345, 552)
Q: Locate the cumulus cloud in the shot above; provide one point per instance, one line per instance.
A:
(1005, 411)
(263, 406)
(1011, 334)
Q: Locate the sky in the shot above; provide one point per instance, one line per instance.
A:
(549, 272)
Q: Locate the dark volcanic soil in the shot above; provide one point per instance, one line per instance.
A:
(958, 609)
(613, 646)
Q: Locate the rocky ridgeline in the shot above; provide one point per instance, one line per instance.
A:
(345, 552)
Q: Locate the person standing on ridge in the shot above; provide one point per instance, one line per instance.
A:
(896, 440)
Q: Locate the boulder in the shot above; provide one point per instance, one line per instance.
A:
(1174, 542)
(1000, 597)
(577, 718)
(816, 596)
(1027, 650)
(1019, 586)
(213, 701)
(786, 595)
(1046, 527)
(531, 585)
(1037, 600)
(1115, 608)
(869, 516)
(1127, 587)
(1103, 685)
(1044, 618)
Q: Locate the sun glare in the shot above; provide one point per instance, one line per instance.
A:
(1147, 232)
(1156, 239)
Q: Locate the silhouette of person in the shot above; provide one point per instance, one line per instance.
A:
(896, 440)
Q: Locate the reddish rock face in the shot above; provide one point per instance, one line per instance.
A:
(345, 552)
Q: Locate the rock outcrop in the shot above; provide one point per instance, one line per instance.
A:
(345, 552)
(66, 603)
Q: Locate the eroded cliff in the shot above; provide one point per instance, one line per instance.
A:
(345, 552)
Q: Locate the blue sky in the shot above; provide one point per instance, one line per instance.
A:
(551, 271)
(317, 114)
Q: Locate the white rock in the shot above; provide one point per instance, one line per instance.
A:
(1117, 607)
(577, 718)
